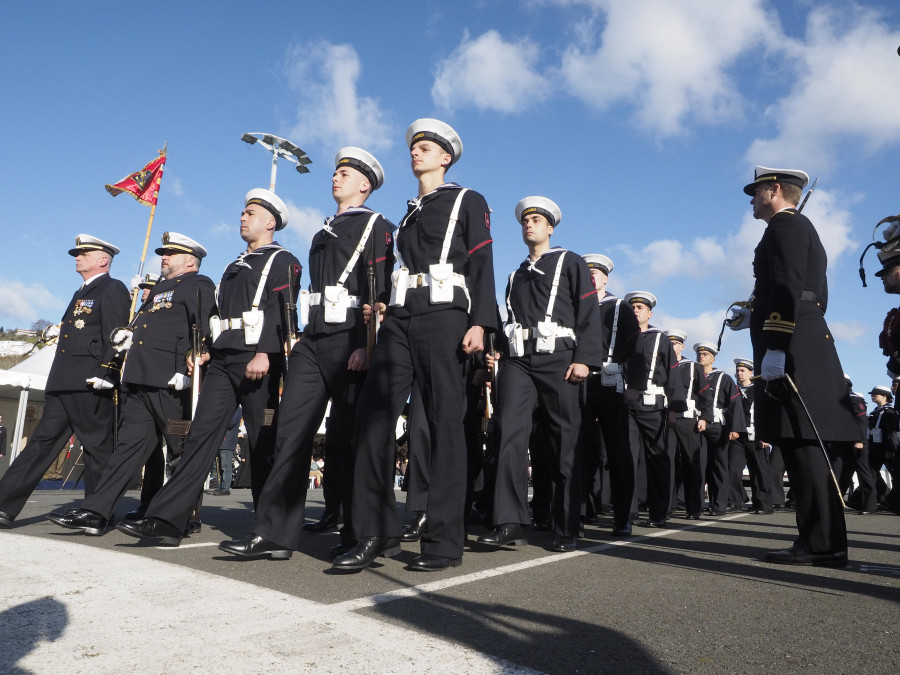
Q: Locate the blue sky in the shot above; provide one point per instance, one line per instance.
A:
(641, 119)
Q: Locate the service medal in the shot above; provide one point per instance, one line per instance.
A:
(79, 324)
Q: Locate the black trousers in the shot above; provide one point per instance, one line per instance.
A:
(605, 412)
(90, 415)
(647, 432)
(418, 471)
(317, 371)
(224, 388)
(145, 412)
(820, 515)
(538, 379)
(715, 438)
(687, 442)
(762, 476)
(422, 351)
(845, 459)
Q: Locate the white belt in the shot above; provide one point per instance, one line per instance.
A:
(315, 299)
(561, 332)
(424, 279)
(231, 324)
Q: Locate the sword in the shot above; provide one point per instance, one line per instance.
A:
(806, 198)
(837, 487)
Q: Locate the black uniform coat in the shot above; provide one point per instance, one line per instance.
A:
(638, 369)
(728, 399)
(238, 288)
(528, 294)
(83, 350)
(691, 383)
(332, 247)
(162, 329)
(627, 329)
(790, 262)
(420, 239)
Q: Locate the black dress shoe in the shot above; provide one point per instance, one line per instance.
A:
(339, 549)
(622, 530)
(428, 562)
(86, 521)
(505, 535)
(541, 524)
(764, 512)
(563, 544)
(415, 530)
(798, 555)
(693, 516)
(138, 514)
(364, 553)
(193, 527)
(717, 513)
(6, 520)
(254, 546)
(864, 513)
(327, 523)
(219, 492)
(154, 529)
(656, 523)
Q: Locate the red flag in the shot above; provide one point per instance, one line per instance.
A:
(143, 184)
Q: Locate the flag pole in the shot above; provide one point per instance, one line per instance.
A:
(136, 291)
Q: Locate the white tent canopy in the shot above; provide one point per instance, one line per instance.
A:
(24, 380)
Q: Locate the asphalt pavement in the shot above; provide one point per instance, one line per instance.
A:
(693, 598)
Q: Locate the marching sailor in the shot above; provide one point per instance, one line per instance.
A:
(551, 305)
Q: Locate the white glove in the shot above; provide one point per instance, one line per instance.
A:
(99, 383)
(180, 381)
(773, 364)
(740, 318)
(121, 340)
(135, 280)
(51, 332)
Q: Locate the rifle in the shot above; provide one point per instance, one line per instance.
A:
(488, 386)
(196, 345)
(372, 326)
(290, 313)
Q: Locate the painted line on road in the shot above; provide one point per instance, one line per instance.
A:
(443, 584)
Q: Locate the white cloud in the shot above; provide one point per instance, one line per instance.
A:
(670, 60)
(727, 261)
(847, 90)
(23, 304)
(490, 74)
(854, 332)
(304, 222)
(326, 78)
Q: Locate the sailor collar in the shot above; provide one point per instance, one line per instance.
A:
(262, 249)
(416, 202)
(532, 264)
(353, 210)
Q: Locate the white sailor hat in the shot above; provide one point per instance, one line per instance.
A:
(150, 280)
(595, 261)
(85, 242)
(428, 129)
(706, 346)
(746, 363)
(173, 242)
(879, 389)
(766, 175)
(676, 335)
(644, 297)
(546, 207)
(271, 203)
(363, 162)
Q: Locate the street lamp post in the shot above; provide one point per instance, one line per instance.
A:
(279, 147)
